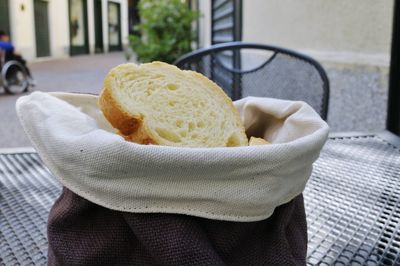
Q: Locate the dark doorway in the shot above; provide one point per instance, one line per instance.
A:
(98, 27)
(134, 18)
(78, 29)
(4, 16)
(42, 28)
(114, 27)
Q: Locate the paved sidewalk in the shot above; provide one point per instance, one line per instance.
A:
(76, 74)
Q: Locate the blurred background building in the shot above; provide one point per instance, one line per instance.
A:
(59, 28)
(351, 38)
(331, 31)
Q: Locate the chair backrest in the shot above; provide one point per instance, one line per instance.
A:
(248, 69)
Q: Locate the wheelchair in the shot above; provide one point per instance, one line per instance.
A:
(14, 77)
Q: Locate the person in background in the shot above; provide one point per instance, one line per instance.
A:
(9, 49)
(6, 45)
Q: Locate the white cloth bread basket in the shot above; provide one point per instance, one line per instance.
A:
(240, 184)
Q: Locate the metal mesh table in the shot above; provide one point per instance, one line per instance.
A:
(352, 202)
(27, 191)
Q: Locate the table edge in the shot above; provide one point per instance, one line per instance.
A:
(17, 150)
(384, 135)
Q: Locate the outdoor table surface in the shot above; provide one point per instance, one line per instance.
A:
(352, 202)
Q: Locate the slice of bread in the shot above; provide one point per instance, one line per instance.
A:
(157, 103)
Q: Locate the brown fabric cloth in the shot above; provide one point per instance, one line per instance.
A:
(83, 233)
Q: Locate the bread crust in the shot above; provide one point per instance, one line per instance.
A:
(257, 141)
(132, 128)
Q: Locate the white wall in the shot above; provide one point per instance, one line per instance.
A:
(91, 31)
(22, 27)
(352, 31)
(58, 28)
(205, 23)
(104, 11)
(124, 22)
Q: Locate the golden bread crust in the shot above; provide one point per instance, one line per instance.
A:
(130, 127)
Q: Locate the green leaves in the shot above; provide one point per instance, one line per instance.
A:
(165, 28)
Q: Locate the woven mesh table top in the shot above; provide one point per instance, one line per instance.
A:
(352, 202)
(27, 191)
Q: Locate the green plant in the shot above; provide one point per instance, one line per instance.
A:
(165, 30)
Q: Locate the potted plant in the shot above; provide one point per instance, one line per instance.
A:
(165, 30)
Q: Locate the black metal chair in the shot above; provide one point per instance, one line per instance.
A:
(248, 69)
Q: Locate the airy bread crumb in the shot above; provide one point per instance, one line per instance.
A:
(157, 103)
